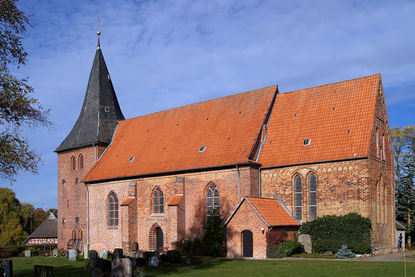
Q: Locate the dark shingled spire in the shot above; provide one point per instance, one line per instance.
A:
(100, 111)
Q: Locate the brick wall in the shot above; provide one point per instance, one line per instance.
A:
(245, 219)
(72, 193)
(186, 219)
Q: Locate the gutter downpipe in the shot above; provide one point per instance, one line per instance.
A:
(87, 214)
(259, 182)
(239, 184)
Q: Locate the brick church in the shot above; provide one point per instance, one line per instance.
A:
(265, 159)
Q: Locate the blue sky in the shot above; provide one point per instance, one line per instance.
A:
(165, 54)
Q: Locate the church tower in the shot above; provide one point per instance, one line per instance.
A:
(79, 151)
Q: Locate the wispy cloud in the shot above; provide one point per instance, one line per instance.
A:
(164, 54)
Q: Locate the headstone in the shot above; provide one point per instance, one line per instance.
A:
(8, 268)
(97, 272)
(55, 252)
(104, 265)
(121, 267)
(305, 240)
(86, 249)
(138, 254)
(72, 255)
(93, 255)
(154, 261)
(134, 246)
(103, 254)
(43, 271)
(27, 253)
(118, 254)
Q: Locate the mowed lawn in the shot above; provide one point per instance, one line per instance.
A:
(223, 267)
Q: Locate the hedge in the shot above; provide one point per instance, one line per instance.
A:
(330, 232)
(285, 249)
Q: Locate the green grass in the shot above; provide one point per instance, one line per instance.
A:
(411, 256)
(222, 267)
(313, 255)
(23, 266)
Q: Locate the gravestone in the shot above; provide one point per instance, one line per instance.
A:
(134, 246)
(103, 254)
(55, 252)
(138, 254)
(72, 255)
(43, 271)
(86, 249)
(97, 272)
(93, 255)
(27, 253)
(8, 268)
(305, 240)
(154, 261)
(121, 267)
(118, 253)
(104, 265)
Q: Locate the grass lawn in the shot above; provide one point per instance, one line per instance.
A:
(411, 256)
(223, 267)
(23, 266)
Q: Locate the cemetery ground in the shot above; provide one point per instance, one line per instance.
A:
(23, 266)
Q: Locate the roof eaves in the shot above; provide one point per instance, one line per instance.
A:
(166, 172)
(316, 162)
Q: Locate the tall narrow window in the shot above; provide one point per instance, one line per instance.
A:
(377, 143)
(73, 163)
(81, 161)
(113, 210)
(383, 147)
(298, 198)
(158, 201)
(212, 199)
(312, 188)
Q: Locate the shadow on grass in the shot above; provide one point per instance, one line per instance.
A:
(182, 268)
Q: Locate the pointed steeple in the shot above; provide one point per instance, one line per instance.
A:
(100, 111)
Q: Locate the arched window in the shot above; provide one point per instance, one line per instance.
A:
(298, 198)
(73, 163)
(81, 161)
(74, 234)
(80, 235)
(113, 209)
(158, 201)
(212, 199)
(312, 188)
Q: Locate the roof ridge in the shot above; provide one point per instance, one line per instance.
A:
(200, 102)
(333, 83)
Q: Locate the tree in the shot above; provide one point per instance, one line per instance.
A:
(11, 229)
(214, 239)
(18, 107)
(403, 140)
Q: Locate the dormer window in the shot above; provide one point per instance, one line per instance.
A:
(131, 159)
(306, 142)
(202, 148)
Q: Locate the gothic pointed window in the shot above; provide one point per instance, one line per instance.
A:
(73, 163)
(312, 189)
(81, 161)
(212, 199)
(158, 201)
(298, 198)
(113, 210)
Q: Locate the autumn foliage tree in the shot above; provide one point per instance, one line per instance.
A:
(18, 107)
(403, 140)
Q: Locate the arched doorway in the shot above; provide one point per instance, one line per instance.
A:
(159, 238)
(247, 243)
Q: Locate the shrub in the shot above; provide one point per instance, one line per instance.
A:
(11, 251)
(196, 246)
(345, 253)
(329, 233)
(163, 258)
(173, 256)
(285, 249)
(275, 237)
(183, 246)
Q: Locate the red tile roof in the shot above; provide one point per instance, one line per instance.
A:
(336, 117)
(273, 212)
(170, 140)
(270, 210)
(175, 200)
(127, 202)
